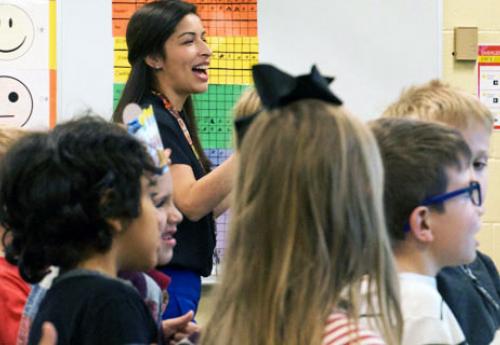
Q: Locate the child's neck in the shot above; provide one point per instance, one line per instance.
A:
(416, 261)
(102, 263)
(2, 249)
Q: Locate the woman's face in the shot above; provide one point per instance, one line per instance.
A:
(187, 56)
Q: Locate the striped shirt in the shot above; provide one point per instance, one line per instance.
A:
(339, 330)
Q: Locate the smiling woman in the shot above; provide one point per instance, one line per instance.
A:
(169, 57)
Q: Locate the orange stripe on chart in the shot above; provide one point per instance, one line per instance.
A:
(228, 12)
(123, 11)
(52, 98)
(120, 27)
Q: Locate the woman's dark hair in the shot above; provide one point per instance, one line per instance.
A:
(147, 31)
(58, 191)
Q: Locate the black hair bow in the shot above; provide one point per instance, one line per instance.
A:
(277, 89)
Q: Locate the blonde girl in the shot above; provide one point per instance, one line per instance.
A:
(307, 231)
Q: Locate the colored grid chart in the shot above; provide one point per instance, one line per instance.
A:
(231, 27)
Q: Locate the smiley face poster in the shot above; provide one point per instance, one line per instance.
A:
(27, 63)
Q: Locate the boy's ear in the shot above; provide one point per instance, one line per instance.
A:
(116, 224)
(155, 62)
(420, 224)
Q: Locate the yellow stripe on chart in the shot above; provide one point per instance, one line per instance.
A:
(52, 35)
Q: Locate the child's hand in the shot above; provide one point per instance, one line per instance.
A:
(180, 327)
(167, 153)
(49, 334)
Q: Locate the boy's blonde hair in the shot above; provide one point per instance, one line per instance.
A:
(438, 101)
(249, 103)
(307, 228)
(9, 135)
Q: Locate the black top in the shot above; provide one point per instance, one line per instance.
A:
(473, 298)
(90, 309)
(195, 240)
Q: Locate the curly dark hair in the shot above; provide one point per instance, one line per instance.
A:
(59, 189)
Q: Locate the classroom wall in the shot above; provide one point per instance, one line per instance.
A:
(484, 14)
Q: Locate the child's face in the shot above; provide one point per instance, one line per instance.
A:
(140, 240)
(454, 229)
(168, 216)
(478, 139)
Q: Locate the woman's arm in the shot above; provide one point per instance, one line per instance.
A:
(197, 198)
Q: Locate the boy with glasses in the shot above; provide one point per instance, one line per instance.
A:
(472, 291)
(433, 209)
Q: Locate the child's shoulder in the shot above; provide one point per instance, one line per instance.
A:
(87, 283)
(91, 294)
(425, 313)
(111, 306)
(417, 288)
(340, 330)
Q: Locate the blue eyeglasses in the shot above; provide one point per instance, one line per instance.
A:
(473, 190)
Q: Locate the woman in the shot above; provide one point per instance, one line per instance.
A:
(307, 226)
(169, 58)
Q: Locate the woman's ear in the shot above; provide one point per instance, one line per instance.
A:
(155, 62)
(420, 225)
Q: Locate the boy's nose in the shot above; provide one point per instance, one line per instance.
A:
(480, 209)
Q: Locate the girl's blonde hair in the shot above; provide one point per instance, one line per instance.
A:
(307, 229)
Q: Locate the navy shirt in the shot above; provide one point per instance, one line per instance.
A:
(88, 308)
(474, 299)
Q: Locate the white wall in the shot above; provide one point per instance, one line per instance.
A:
(372, 47)
(84, 57)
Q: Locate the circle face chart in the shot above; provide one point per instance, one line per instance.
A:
(16, 32)
(16, 102)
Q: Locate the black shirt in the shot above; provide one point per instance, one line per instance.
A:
(477, 311)
(91, 309)
(195, 240)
